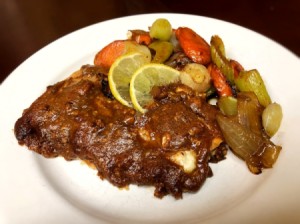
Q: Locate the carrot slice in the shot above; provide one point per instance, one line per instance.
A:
(106, 56)
(193, 45)
(219, 81)
(141, 37)
(237, 67)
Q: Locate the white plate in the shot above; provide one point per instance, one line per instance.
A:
(38, 190)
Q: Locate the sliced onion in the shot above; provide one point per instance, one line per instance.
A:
(249, 111)
(265, 157)
(258, 151)
(241, 140)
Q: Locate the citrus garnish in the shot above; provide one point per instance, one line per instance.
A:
(120, 74)
(145, 78)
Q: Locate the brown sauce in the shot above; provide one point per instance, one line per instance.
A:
(76, 118)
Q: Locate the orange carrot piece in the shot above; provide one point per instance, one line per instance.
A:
(193, 45)
(237, 67)
(106, 57)
(141, 37)
(219, 81)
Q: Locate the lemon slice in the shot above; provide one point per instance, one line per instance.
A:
(120, 74)
(145, 78)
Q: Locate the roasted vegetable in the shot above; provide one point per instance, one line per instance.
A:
(228, 105)
(163, 50)
(173, 40)
(139, 36)
(251, 81)
(218, 43)
(249, 112)
(258, 151)
(271, 118)
(237, 67)
(161, 29)
(219, 58)
(178, 60)
(196, 76)
(107, 55)
(219, 81)
(193, 45)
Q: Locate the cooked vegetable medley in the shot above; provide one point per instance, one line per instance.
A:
(248, 118)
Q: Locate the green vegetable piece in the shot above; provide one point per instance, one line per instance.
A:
(163, 50)
(161, 29)
(251, 81)
(218, 57)
(228, 105)
(271, 118)
(217, 42)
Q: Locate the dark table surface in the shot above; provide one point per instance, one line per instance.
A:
(28, 25)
